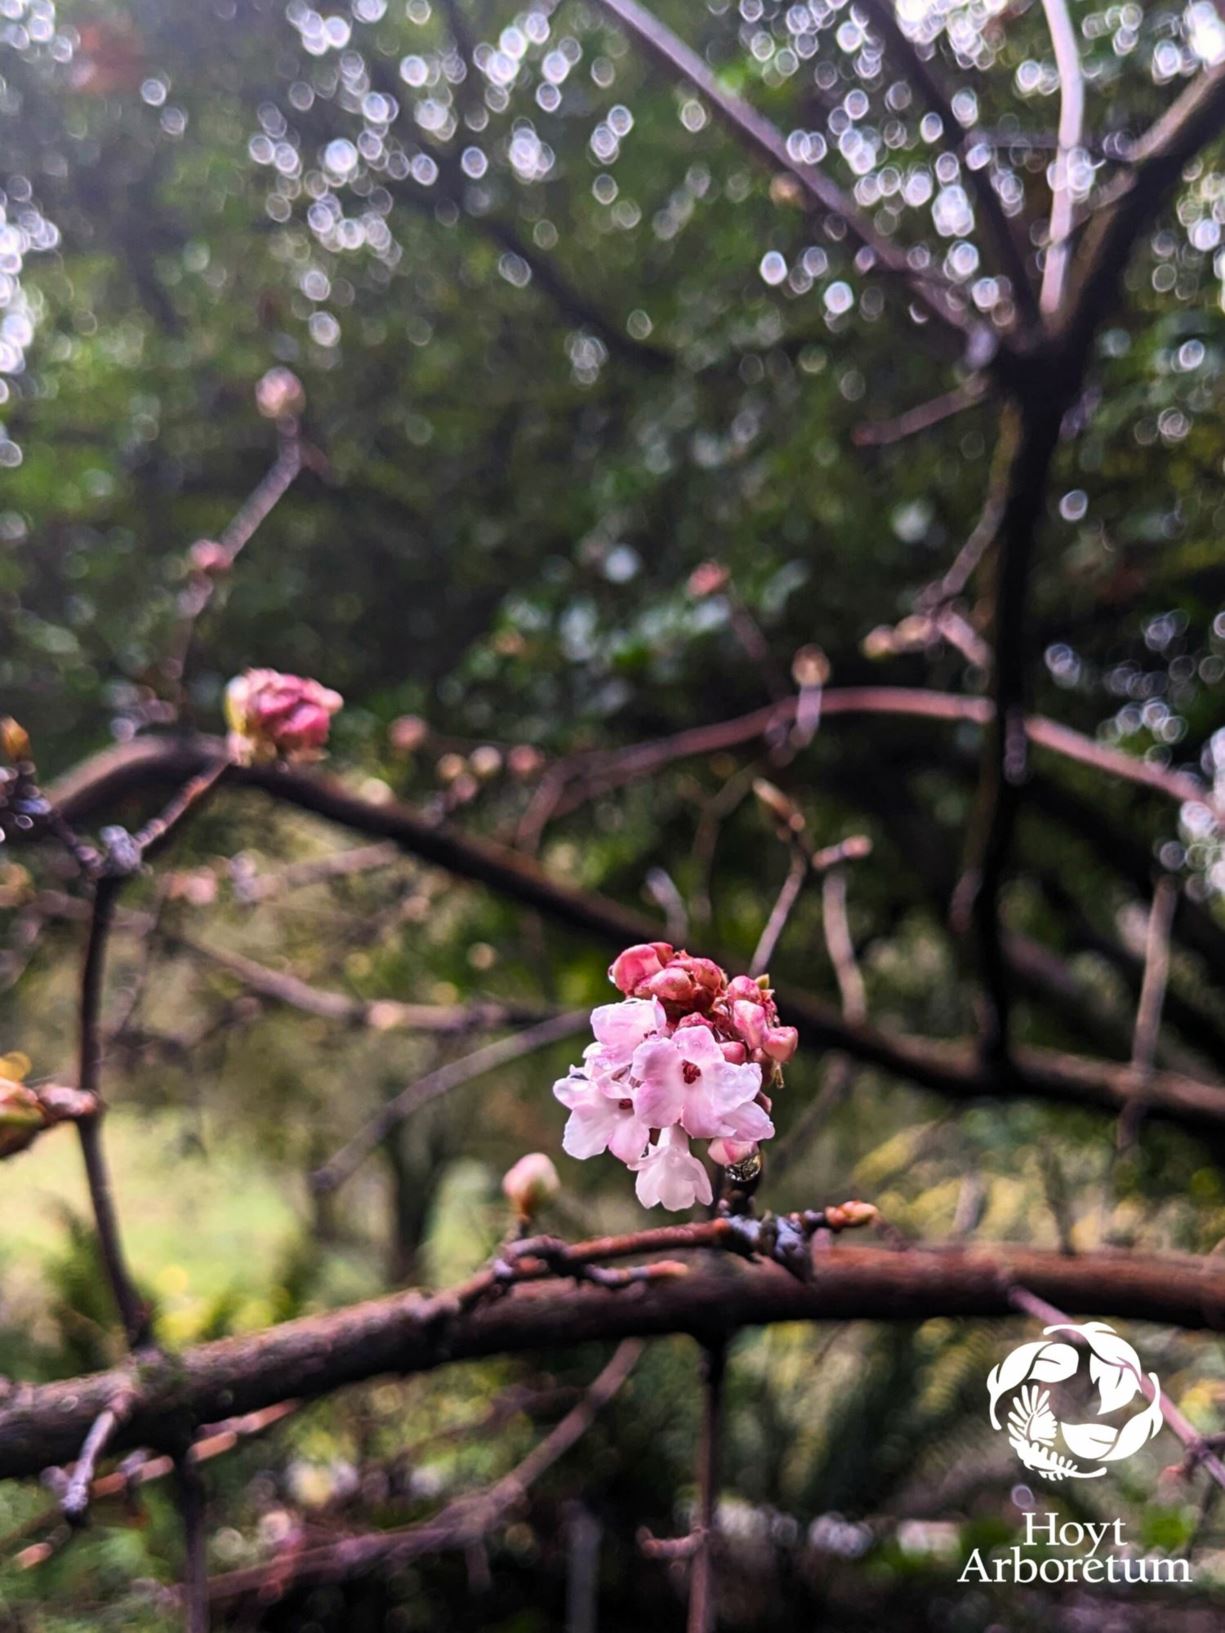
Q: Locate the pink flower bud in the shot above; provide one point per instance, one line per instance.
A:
(675, 988)
(524, 761)
(744, 987)
(637, 965)
(207, 556)
(279, 394)
(749, 1019)
(486, 762)
(730, 1153)
(850, 1215)
(735, 1052)
(688, 1022)
(278, 717)
(708, 579)
(530, 1184)
(780, 1044)
(407, 733)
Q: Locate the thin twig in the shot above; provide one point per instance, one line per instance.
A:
(1151, 1003)
(379, 1014)
(159, 830)
(463, 1522)
(774, 926)
(237, 534)
(132, 1310)
(762, 138)
(75, 1503)
(702, 1596)
(1156, 974)
(664, 893)
(923, 417)
(921, 72)
(142, 1468)
(503, 1052)
(190, 1489)
(841, 947)
(1071, 127)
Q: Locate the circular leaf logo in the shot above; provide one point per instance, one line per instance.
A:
(1045, 1444)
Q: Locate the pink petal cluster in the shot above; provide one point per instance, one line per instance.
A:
(740, 1011)
(683, 1056)
(278, 717)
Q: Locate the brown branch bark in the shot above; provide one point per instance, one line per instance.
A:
(1043, 388)
(949, 1068)
(131, 1307)
(402, 1334)
(702, 1593)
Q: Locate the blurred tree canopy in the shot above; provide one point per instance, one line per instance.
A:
(564, 342)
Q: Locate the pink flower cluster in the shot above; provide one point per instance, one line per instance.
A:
(278, 717)
(681, 1057)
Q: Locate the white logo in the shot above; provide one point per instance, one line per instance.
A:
(1033, 1427)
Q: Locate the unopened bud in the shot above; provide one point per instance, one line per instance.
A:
(915, 630)
(450, 767)
(786, 189)
(21, 1112)
(637, 965)
(850, 1215)
(280, 394)
(485, 761)
(278, 717)
(778, 804)
(530, 1184)
(780, 1043)
(524, 761)
(14, 739)
(879, 642)
(708, 579)
(407, 733)
(207, 556)
(810, 667)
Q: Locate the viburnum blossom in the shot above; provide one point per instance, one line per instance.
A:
(686, 1055)
(278, 717)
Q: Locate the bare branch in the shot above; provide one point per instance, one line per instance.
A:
(434, 1084)
(702, 1595)
(405, 1334)
(950, 1068)
(236, 535)
(190, 1491)
(841, 947)
(1071, 135)
(1156, 973)
(909, 61)
(75, 1503)
(774, 926)
(380, 1014)
(132, 1309)
(459, 1525)
(925, 416)
(761, 137)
